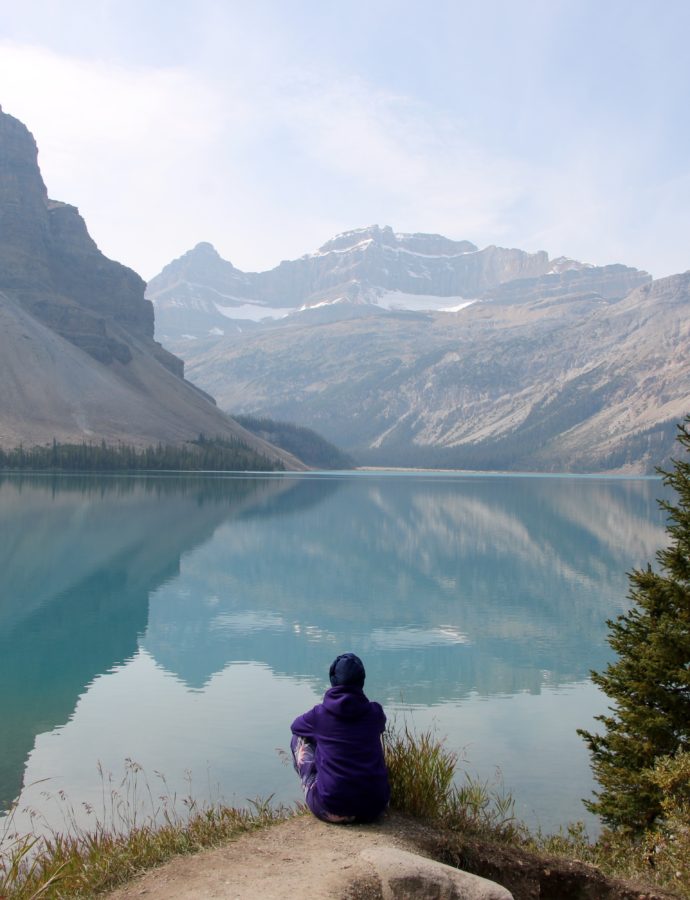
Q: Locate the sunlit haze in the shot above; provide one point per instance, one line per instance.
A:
(266, 128)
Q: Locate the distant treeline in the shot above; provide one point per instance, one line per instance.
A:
(303, 443)
(202, 454)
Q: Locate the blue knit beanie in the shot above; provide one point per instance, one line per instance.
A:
(347, 669)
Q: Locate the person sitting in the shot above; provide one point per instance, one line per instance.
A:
(337, 750)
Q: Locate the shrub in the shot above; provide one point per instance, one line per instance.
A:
(668, 844)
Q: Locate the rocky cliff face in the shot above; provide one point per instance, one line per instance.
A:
(50, 264)
(409, 263)
(77, 356)
(610, 282)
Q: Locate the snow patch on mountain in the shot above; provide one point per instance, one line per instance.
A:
(393, 301)
(253, 312)
(399, 301)
(360, 245)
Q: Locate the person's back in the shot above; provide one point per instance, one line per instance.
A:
(337, 749)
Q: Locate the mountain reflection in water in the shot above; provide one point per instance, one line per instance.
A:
(240, 590)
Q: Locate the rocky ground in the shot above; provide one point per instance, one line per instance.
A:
(305, 857)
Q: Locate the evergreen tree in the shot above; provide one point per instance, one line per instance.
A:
(650, 680)
(217, 454)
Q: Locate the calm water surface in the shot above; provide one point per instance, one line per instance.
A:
(183, 622)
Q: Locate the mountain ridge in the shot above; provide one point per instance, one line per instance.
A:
(529, 362)
(361, 272)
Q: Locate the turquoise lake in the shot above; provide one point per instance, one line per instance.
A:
(183, 621)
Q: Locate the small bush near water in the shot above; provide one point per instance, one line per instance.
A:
(422, 772)
(660, 856)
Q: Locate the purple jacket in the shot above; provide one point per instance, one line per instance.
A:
(352, 779)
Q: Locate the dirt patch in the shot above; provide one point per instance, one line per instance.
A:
(298, 858)
(306, 857)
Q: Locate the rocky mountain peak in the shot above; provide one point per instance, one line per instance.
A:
(201, 269)
(205, 249)
(358, 237)
(384, 236)
(51, 266)
(203, 257)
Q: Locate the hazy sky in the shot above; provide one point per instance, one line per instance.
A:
(267, 126)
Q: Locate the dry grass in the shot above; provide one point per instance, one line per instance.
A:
(660, 856)
(422, 774)
(135, 831)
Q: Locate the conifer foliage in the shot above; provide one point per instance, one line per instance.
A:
(203, 455)
(650, 680)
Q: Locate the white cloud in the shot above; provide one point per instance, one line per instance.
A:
(418, 169)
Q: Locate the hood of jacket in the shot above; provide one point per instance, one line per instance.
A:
(346, 701)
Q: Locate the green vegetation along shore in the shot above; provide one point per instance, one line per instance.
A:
(202, 454)
(303, 443)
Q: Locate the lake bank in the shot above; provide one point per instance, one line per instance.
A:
(305, 857)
